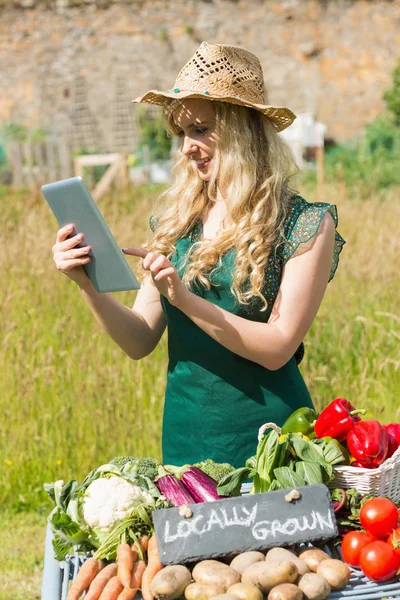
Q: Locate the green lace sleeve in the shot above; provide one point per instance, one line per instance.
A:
(153, 222)
(303, 223)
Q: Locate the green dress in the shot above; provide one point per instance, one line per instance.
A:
(215, 400)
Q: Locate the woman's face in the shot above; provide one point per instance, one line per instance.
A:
(195, 122)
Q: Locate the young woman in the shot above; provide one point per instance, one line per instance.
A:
(236, 269)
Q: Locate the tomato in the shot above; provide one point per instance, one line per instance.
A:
(379, 516)
(352, 544)
(394, 540)
(379, 561)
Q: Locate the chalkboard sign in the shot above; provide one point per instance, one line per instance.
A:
(251, 522)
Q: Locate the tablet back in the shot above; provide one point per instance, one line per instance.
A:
(71, 202)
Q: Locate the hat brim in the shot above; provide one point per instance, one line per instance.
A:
(281, 116)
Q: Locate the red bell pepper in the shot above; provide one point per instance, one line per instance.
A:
(393, 430)
(337, 419)
(368, 442)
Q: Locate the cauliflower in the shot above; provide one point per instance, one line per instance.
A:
(108, 500)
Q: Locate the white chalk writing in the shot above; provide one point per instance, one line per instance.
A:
(217, 519)
(264, 529)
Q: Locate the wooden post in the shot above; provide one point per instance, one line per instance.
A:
(65, 158)
(123, 173)
(51, 161)
(27, 153)
(38, 152)
(147, 162)
(320, 155)
(105, 182)
(117, 163)
(16, 164)
(319, 143)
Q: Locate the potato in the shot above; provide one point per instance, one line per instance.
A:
(245, 591)
(244, 560)
(284, 554)
(170, 582)
(203, 591)
(225, 597)
(285, 591)
(312, 557)
(268, 574)
(314, 587)
(336, 573)
(214, 571)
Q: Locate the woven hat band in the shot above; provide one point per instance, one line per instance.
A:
(223, 71)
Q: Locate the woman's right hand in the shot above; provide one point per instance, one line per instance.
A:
(69, 259)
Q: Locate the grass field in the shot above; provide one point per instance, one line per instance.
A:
(71, 400)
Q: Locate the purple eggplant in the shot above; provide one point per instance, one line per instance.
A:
(173, 489)
(202, 487)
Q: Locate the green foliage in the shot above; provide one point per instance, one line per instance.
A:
(15, 132)
(163, 35)
(370, 163)
(152, 134)
(392, 96)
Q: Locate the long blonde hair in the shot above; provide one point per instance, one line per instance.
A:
(252, 169)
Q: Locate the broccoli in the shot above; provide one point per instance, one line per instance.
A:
(215, 470)
(121, 461)
(148, 467)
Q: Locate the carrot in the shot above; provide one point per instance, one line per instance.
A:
(143, 543)
(86, 574)
(99, 583)
(128, 593)
(125, 563)
(112, 590)
(154, 565)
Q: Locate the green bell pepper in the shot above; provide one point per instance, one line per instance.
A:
(301, 421)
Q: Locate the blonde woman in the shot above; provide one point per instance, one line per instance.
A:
(236, 269)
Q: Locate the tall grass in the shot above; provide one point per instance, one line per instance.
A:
(70, 399)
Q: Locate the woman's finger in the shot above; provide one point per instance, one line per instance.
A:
(69, 243)
(136, 252)
(159, 263)
(64, 232)
(164, 273)
(66, 266)
(71, 254)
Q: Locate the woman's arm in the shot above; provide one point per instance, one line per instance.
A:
(304, 280)
(136, 330)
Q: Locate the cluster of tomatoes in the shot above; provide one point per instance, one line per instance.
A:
(376, 551)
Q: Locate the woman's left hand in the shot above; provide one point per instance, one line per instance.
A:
(164, 274)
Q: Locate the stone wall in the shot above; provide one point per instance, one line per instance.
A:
(75, 65)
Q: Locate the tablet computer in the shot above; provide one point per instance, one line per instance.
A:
(71, 202)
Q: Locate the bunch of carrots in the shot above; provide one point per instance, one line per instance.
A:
(123, 579)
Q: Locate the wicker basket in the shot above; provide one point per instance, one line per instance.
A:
(383, 481)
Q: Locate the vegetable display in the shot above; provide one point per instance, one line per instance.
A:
(368, 442)
(115, 502)
(337, 419)
(173, 489)
(379, 561)
(109, 516)
(302, 421)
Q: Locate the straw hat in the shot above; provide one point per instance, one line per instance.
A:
(225, 73)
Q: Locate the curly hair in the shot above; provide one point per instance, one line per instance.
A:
(253, 165)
